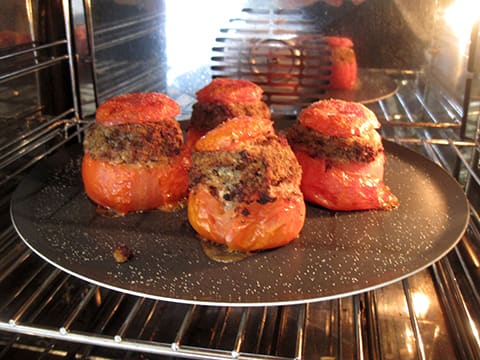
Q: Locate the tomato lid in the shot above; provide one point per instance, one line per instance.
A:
(339, 41)
(338, 118)
(226, 90)
(137, 108)
(234, 134)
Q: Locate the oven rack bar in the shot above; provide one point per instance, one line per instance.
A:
(34, 147)
(118, 73)
(449, 290)
(33, 55)
(115, 34)
(176, 349)
(117, 77)
(365, 324)
(268, 23)
(127, 345)
(452, 279)
(14, 146)
(35, 125)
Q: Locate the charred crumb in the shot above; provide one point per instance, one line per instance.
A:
(245, 212)
(213, 190)
(328, 165)
(265, 198)
(122, 254)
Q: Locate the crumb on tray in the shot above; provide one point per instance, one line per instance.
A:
(122, 253)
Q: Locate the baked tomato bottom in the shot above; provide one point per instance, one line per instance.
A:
(245, 227)
(345, 186)
(130, 187)
(344, 76)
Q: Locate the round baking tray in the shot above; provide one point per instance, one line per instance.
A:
(371, 86)
(337, 253)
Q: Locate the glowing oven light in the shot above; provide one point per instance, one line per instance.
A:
(421, 304)
(460, 17)
(410, 340)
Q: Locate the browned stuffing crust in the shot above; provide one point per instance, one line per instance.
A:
(133, 143)
(353, 148)
(260, 172)
(207, 116)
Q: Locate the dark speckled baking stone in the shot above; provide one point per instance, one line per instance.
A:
(337, 254)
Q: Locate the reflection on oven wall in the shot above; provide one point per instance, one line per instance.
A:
(453, 44)
(29, 40)
(35, 88)
(150, 45)
(168, 45)
(120, 47)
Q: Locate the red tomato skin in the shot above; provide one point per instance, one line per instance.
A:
(226, 90)
(234, 134)
(338, 41)
(335, 117)
(344, 63)
(128, 187)
(344, 76)
(345, 186)
(260, 227)
(192, 136)
(230, 136)
(137, 108)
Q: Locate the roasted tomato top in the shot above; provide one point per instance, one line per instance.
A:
(234, 134)
(338, 118)
(225, 90)
(136, 108)
(338, 41)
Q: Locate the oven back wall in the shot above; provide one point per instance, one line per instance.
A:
(176, 46)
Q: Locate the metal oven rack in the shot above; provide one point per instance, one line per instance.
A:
(34, 123)
(433, 313)
(45, 313)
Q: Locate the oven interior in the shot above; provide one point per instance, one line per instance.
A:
(59, 59)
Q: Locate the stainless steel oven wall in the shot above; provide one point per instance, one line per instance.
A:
(146, 45)
(471, 105)
(177, 46)
(38, 109)
(120, 47)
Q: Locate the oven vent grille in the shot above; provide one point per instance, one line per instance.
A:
(276, 50)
